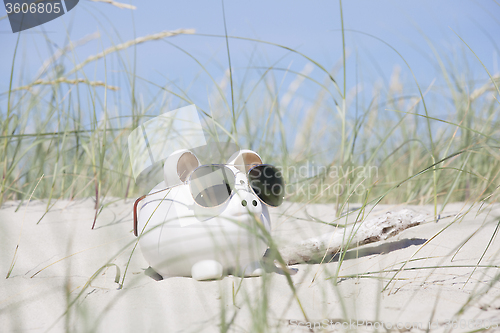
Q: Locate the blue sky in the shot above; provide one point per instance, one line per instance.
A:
(311, 27)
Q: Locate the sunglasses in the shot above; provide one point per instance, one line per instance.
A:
(212, 185)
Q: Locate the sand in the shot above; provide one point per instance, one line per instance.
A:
(48, 288)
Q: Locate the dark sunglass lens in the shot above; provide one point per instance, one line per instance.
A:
(267, 183)
(211, 185)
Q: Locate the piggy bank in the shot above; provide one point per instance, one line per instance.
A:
(206, 221)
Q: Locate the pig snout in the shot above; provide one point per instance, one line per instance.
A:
(247, 202)
(243, 202)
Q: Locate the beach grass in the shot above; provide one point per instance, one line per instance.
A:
(63, 136)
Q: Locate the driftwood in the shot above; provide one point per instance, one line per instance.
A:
(365, 232)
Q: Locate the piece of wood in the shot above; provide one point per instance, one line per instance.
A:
(365, 232)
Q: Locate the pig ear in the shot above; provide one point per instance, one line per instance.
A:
(245, 159)
(179, 166)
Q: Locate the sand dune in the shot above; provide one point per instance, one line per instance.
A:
(48, 288)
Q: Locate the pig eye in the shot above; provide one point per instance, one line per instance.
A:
(267, 183)
(211, 185)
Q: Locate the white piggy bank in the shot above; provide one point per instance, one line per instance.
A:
(207, 221)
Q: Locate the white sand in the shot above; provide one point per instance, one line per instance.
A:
(39, 303)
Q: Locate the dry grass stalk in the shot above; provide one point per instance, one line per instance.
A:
(139, 40)
(62, 51)
(486, 87)
(69, 81)
(117, 4)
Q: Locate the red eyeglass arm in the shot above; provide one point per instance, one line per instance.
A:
(135, 213)
(135, 207)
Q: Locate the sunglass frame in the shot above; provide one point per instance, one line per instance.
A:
(188, 181)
